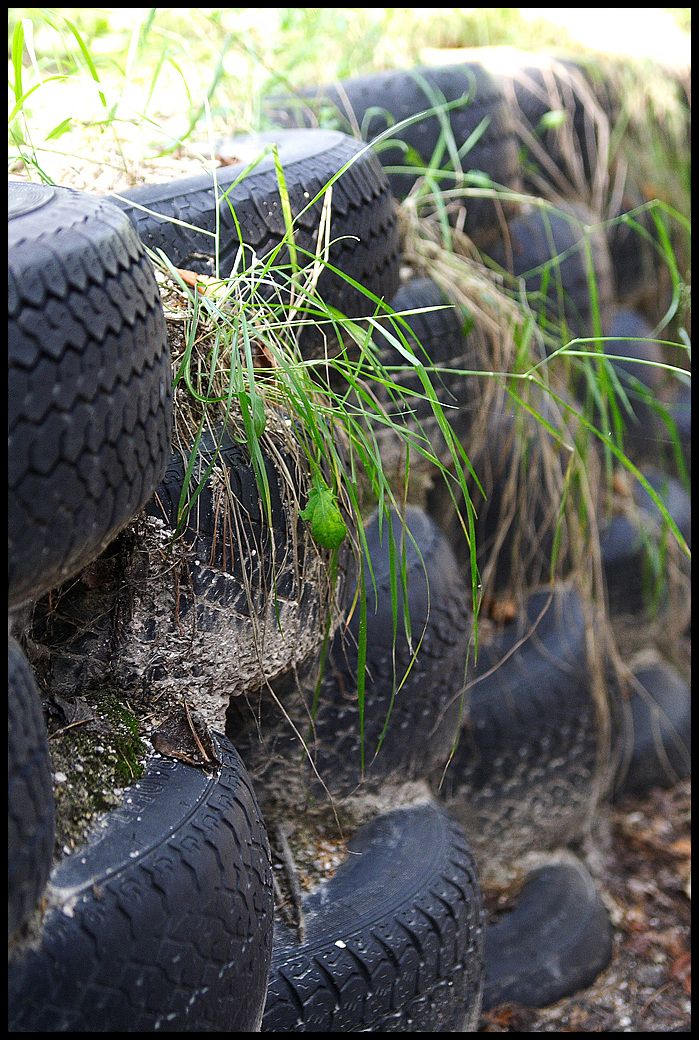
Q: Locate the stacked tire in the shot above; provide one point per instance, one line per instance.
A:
(90, 429)
(480, 126)
(184, 837)
(575, 276)
(389, 907)
(164, 918)
(89, 383)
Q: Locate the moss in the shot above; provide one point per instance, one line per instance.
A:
(93, 760)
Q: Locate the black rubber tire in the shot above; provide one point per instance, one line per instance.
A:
(558, 87)
(203, 531)
(363, 229)
(640, 276)
(425, 713)
(536, 237)
(625, 542)
(439, 339)
(30, 808)
(675, 498)
(251, 598)
(163, 921)
(556, 940)
(643, 429)
(522, 773)
(89, 383)
(393, 940)
(398, 95)
(512, 451)
(659, 735)
(641, 345)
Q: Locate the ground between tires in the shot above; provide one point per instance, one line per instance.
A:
(641, 862)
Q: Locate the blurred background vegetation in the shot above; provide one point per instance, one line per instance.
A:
(140, 82)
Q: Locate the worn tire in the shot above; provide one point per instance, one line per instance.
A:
(516, 517)
(536, 238)
(642, 429)
(576, 147)
(400, 94)
(89, 383)
(163, 921)
(394, 939)
(522, 773)
(626, 540)
(556, 940)
(439, 339)
(658, 736)
(641, 277)
(30, 808)
(640, 345)
(254, 596)
(424, 712)
(363, 229)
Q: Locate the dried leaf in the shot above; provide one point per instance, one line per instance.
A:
(200, 282)
(74, 711)
(682, 847)
(228, 160)
(185, 736)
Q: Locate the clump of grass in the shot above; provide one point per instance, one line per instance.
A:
(238, 362)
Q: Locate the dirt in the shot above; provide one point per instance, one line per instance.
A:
(640, 858)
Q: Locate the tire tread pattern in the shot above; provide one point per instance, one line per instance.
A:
(164, 920)
(363, 230)
(407, 960)
(89, 387)
(30, 808)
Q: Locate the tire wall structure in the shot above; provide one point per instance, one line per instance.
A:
(394, 940)
(165, 920)
(412, 703)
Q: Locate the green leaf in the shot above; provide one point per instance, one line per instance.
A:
(286, 207)
(88, 60)
(60, 129)
(327, 526)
